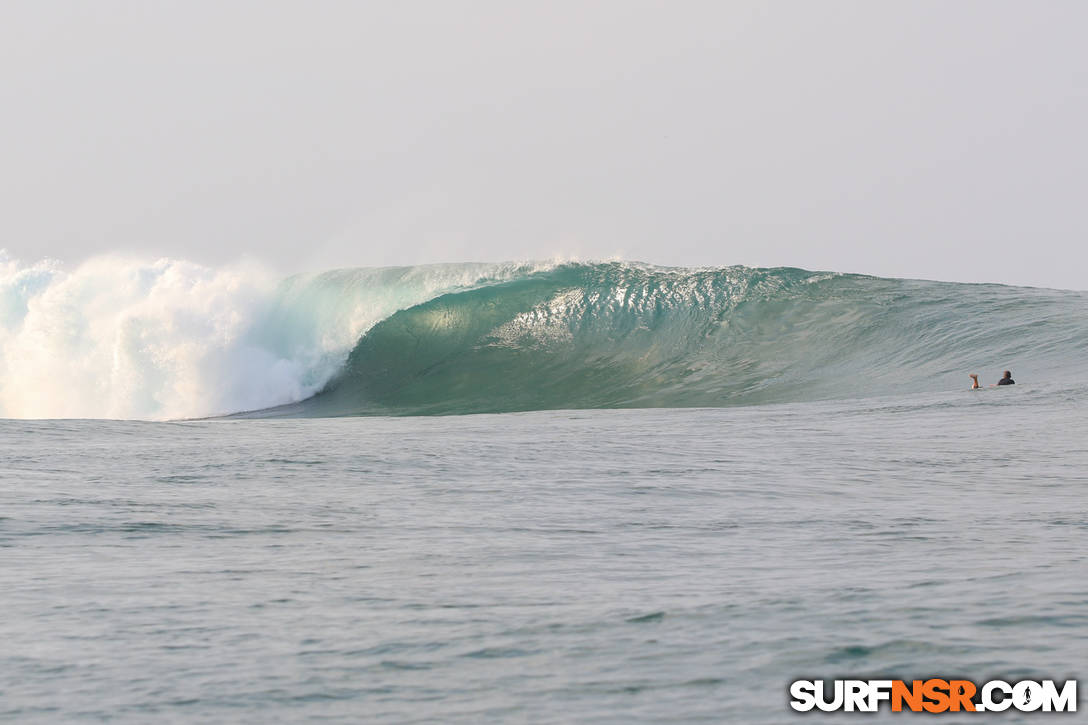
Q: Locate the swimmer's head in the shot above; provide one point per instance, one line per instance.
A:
(1008, 374)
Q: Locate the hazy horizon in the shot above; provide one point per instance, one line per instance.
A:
(914, 140)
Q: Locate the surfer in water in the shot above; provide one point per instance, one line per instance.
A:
(1007, 380)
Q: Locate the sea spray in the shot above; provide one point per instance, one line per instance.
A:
(119, 338)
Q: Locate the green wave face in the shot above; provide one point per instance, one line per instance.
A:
(622, 335)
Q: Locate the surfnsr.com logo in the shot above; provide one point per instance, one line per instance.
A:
(933, 695)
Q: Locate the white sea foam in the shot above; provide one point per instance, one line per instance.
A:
(118, 337)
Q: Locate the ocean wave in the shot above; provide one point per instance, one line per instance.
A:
(123, 338)
(619, 335)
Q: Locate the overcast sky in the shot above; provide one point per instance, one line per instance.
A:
(941, 140)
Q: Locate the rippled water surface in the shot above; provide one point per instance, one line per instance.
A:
(598, 566)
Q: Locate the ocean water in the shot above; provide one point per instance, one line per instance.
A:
(650, 565)
(540, 492)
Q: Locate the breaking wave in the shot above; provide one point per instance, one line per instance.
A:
(120, 338)
(168, 339)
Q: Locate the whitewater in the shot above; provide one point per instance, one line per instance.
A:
(118, 337)
(123, 338)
